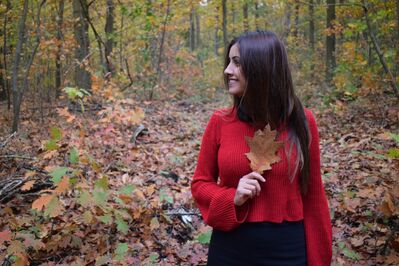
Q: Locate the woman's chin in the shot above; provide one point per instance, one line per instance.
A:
(235, 92)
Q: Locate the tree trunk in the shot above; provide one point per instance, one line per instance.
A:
(109, 32)
(31, 57)
(58, 65)
(104, 60)
(397, 18)
(245, 15)
(397, 38)
(330, 42)
(296, 24)
(379, 52)
(216, 48)
(224, 24)
(6, 84)
(287, 21)
(192, 30)
(257, 15)
(311, 36)
(3, 78)
(162, 42)
(233, 19)
(82, 52)
(197, 29)
(121, 41)
(17, 91)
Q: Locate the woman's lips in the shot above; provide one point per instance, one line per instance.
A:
(232, 81)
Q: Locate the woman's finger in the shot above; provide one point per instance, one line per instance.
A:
(255, 176)
(251, 188)
(245, 193)
(255, 183)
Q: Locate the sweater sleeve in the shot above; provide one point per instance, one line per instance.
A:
(216, 203)
(317, 219)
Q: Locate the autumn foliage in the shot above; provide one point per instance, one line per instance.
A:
(100, 174)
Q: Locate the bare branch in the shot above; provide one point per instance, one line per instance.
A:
(17, 156)
(7, 139)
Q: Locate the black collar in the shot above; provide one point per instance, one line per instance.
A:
(242, 114)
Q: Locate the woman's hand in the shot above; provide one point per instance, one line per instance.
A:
(248, 187)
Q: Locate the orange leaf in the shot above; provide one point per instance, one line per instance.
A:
(41, 202)
(28, 185)
(62, 186)
(5, 236)
(387, 207)
(30, 174)
(263, 149)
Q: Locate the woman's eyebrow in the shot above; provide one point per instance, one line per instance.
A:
(235, 57)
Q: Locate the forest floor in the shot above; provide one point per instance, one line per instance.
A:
(127, 198)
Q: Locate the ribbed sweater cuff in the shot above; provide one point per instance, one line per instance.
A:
(224, 214)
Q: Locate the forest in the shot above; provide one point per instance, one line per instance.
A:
(103, 104)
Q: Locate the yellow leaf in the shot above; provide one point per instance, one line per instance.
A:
(137, 115)
(263, 149)
(54, 208)
(154, 223)
(87, 217)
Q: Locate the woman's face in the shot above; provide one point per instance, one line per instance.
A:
(236, 80)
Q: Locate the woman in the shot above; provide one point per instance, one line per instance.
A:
(280, 217)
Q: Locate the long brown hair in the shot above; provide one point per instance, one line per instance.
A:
(269, 96)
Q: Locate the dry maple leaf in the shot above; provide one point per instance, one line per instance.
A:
(263, 149)
(28, 185)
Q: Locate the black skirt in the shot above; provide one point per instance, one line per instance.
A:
(264, 243)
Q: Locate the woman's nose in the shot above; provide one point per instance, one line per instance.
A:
(228, 71)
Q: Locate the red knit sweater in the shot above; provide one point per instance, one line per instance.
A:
(222, 162)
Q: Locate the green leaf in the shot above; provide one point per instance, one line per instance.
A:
(153, 256)
(84, 198)
(74, 155)
(102, 260)
(51, 145)
(351, 254)
(55, 133)
(165, 197)
(53, 208)
(128, 189)
(58, 173)
(120, 213)
(121, 251)
(73, 180)
(84, 92)
(393, 153)
(395, 137)
(122, 226)
(119, 201)
(100, 197)
(71, 92)
(205, 238)
(102, 183)
(107, 218)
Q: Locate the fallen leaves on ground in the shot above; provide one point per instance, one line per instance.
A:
(123, 200)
